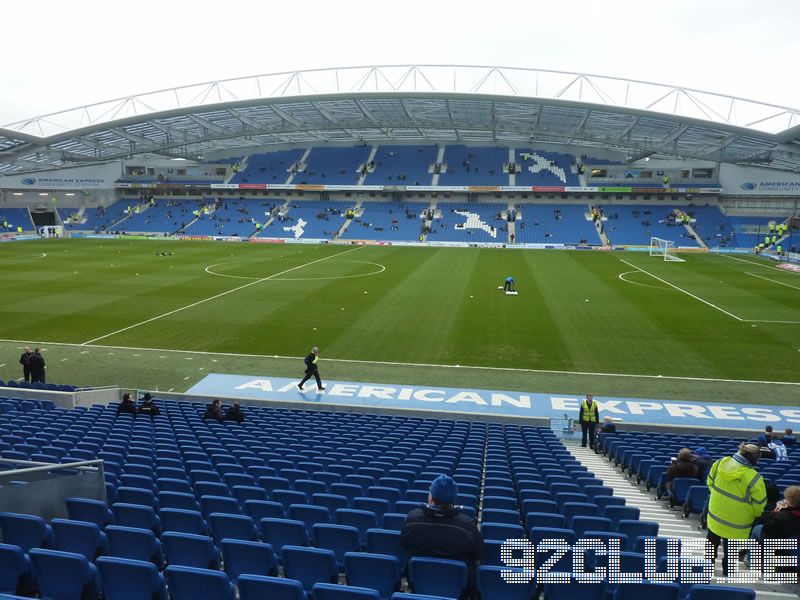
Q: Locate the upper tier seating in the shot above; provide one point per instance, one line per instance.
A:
(333, 166)
(270, 167)
(545, 168)
(635, 224)
(554, 224)
(402, 165)
(474, 165)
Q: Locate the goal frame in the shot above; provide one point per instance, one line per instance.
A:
(665, 249)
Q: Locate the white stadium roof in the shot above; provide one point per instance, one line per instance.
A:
(411, 103)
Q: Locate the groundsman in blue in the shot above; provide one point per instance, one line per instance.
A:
(737, 498)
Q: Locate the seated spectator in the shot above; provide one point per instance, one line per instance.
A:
(682, 467)
(788, 438)
(127, 405)
(439, 529)
(235, 413)
(608, 426)
(765, 438)
(702, 459)
(148, 407)
(778, 450)
(213, 411)
(784, 521)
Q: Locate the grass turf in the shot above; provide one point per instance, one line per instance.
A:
(703, 318)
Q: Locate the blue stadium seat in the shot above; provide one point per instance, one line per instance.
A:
(437, 577)
(237, 527)
(26, 531)
(93, 511)
(248, 558)
(129, 495)
(492, 586)
(617, 513)
(188, 550)
(332, 502)
(379, 572)
(499, 515)
(178, 500)
(283, 532)
(635, 529)
(16, 576)
(332, 591)
(360, 519)
(384, 541)
(580, 525)
(536, 519)
(696, 499)
(182, 521)
(80, 537)
(135, 515)
(310, 515)
(134, 543)
(651, 591)
(574, 591)
(309, 565)
(189, 583)
(264, 509)
(501, 531)
(64, 575)
(339, 539)
(501, 502)
(718, 592)
(256, 587)
(219, 504)
(126, 579)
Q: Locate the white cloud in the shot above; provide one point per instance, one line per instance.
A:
(59, 55)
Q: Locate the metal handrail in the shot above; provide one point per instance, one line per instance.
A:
(97, 462)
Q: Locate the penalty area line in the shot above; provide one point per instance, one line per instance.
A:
(794, 287)
(690, 294)
(408, 364)
(214, 297)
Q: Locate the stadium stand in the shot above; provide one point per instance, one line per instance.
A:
(333, 166)
(635, 224)
(456, 222)
(474, 165)
(545, 168)
(402, 165)
(101, 219)
(554, 223)
(271, 167)
(166, 216)
(750, 231)
(15, 217)
(313, 220)
(234, 216)
(712, 225)
(387, 221)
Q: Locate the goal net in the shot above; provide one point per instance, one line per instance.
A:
(665, 249)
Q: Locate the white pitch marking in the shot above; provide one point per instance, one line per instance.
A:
(381, 269)
(621, 276)
(752, 262)
(186, 378)
(64, 359)
(214, 297)
(85, 352)
(409, 364)
(794, 287)
(672, 285)
(3, 365)
(170, 389)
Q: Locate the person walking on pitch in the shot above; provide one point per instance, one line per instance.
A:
(312, 370)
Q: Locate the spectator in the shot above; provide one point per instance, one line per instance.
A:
(25, 361)
(684, 466)
(440, 529)
(235, 413)
(213, 411)
(737, 499)
(778, 450)
(788, 438)
(765, 438)
(608, 426)
(148, 407)
(784, 521)
(36, 365)
(703, 461)
(127, 405)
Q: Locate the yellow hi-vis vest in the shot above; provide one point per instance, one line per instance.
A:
(589, 415)
(316, 358)
(738, 496)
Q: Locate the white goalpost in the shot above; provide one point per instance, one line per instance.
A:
(664, 248)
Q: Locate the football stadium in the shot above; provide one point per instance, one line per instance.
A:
(453, 259)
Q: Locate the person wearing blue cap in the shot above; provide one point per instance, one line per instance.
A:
(440, 529)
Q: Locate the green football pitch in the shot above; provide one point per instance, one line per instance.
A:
(720, 328)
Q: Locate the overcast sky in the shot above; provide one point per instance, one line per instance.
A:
(59, 55)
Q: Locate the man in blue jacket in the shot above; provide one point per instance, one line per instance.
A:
(440, 529)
